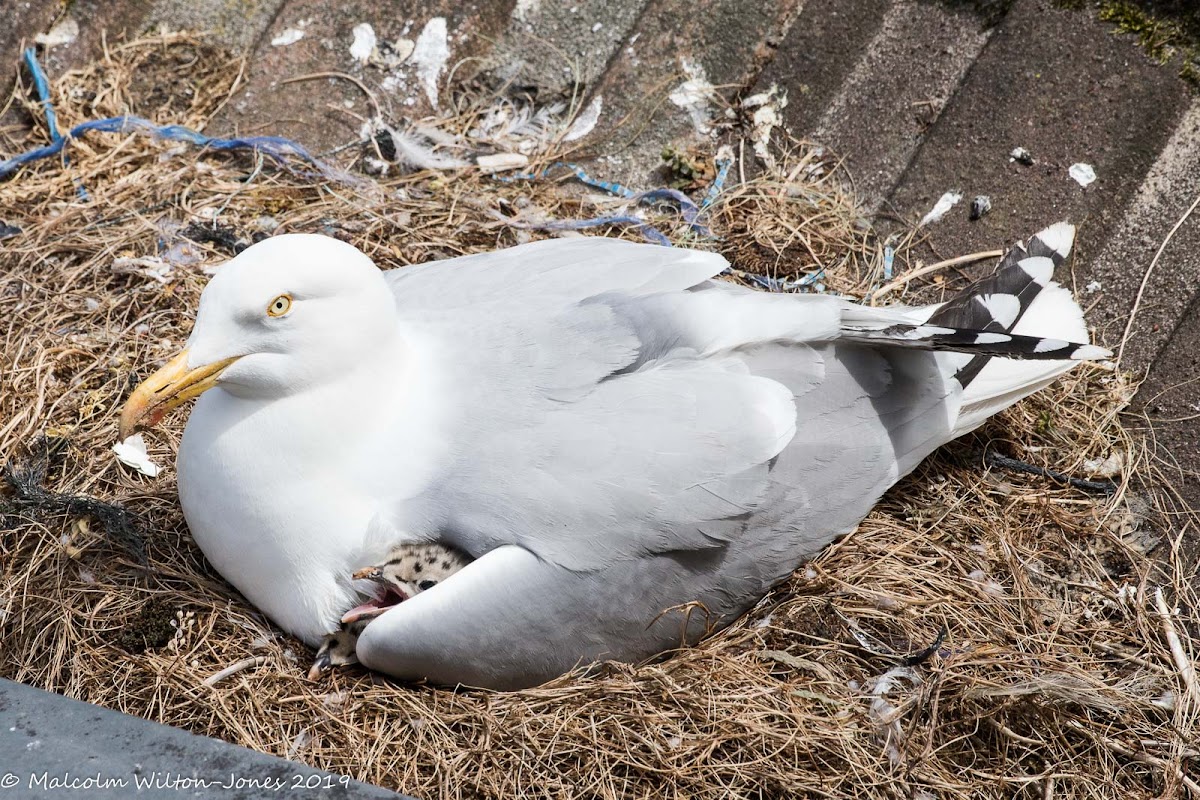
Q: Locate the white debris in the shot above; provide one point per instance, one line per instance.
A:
(402, 49)
(693, 94)
(521, 127)
(760, 99)
(375, 166)
(65, 32)
(525, 8)
(364, 42)
(596, 28)
(586, 121)
(1022, 156)
(1105, 467)
(1093, 287)
(415, 151)
(288, 36)
(499, 162)
(431, 53)
(986, 584)
(887, 716)
(266, 223)
(335, 701)
(299, 742)
(1083, 174)
(1166, 701)
(132, 453)
(767, 115)
(946, 202)
(151, 267)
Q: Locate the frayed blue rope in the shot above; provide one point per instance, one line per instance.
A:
(777, 285)
(612, 188)
(42, 87)
(687, 207)
(276, 148)
(651, 233)
(718, 184)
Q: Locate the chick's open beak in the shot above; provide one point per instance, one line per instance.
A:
(368, 574)
(171, 386)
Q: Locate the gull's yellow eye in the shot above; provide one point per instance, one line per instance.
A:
(280, 306)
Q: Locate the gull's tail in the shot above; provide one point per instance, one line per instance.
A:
(1023, 301)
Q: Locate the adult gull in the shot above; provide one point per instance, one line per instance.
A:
(631, 451)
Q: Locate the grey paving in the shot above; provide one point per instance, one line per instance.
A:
(818, 54)
(897, 91)
(329, 111)
(1031, 87)
(1169, 401)
(1164, 197)
(234, 24)
(722, 42)
(556, 49)
(52, 746)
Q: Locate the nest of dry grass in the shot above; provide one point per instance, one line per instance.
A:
(1053, 672)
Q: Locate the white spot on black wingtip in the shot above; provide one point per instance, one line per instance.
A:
(992, 338)
(1090, 352)
(1003, 308)
(1040, 268)
(1050, 345)
(933, 330)
(1058, 237)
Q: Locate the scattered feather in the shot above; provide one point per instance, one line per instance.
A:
(132, 453)
(151, 267)
(586, 121)
(946, 202)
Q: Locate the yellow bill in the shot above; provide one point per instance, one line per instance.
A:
(166, 389)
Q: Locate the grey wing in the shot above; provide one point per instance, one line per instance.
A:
(626, 541)
(642, 453)
(549, 273)
(622, 424)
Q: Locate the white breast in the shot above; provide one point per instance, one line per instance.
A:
(284, 528)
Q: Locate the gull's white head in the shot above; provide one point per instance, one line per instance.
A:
(287, 313)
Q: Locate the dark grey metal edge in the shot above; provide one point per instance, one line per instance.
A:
(53, 746)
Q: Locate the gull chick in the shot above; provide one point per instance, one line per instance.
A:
(408, 570)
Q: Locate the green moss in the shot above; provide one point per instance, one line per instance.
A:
(1166, 29)
(1156, 36)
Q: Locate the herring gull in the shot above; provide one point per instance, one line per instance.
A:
(631, 451)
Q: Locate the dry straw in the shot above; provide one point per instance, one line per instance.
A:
(1058, 677)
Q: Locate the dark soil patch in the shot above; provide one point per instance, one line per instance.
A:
(149, 630)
